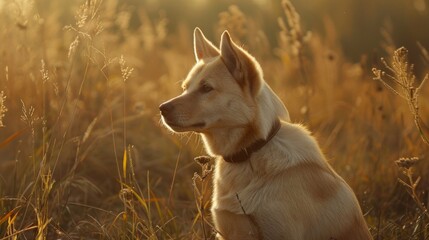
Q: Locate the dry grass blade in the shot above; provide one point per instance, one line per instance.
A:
(7, 216)
(89, 130)
(424, 52)
(170, 194)
(16, 233)
(12, 137)
(124, 164)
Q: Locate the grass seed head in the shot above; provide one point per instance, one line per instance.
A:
(3, 108)
(407, 163)
(203, 160)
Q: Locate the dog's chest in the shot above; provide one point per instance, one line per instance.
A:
(234, 186)
(234, 174)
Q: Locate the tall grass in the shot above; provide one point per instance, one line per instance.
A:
(83, 154)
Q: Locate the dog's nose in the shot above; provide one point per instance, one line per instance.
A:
(165, 108)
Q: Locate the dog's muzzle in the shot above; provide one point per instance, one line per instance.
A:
(175, 121)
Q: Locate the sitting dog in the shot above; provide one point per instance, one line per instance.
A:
(271, 180)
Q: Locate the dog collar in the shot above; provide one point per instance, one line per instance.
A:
(246, 153)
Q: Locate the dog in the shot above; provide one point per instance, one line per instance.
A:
(271, 180)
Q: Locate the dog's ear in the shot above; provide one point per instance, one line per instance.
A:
(203, 48)
(242, 66)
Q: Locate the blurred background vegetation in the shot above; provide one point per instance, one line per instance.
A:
(83, 154)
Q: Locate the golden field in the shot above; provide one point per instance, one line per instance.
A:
(83, 154)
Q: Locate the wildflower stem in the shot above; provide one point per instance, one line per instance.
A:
(413, 185)
(401, 76)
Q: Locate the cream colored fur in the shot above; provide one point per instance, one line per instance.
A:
(286, 190)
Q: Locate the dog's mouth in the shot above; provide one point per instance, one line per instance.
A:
(199, 125)
(178, 127)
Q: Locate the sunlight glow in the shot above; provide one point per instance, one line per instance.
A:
(420, 5)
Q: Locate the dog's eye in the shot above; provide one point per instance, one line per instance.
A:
(205, 88)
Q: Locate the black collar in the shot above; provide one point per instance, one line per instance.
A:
(246, 153)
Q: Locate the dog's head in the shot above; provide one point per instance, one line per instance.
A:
(219, 91)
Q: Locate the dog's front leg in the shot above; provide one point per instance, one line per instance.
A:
(231, 226)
